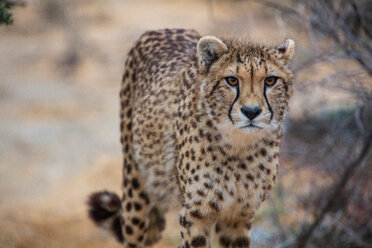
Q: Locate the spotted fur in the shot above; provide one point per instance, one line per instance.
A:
(187, 141)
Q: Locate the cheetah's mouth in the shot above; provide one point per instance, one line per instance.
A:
(251, 126)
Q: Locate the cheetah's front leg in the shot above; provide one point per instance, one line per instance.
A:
(195, 229)
(233, 234)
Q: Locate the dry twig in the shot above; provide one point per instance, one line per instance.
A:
(304, 237)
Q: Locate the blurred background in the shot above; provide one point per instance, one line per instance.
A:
(60, 70)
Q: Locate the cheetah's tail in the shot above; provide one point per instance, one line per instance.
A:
(104, 209)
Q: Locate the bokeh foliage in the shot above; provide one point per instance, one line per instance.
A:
(5, 15)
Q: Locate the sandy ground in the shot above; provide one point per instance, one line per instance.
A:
(60, 71)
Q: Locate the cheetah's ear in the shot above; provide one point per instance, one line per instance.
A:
(287, 48)
(210, 49)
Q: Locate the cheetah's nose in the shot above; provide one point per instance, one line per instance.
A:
(251, 111)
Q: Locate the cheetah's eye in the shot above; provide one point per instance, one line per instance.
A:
(232, 81)
(270, 81)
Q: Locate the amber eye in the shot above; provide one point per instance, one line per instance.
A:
(270, 81)
(232, 81)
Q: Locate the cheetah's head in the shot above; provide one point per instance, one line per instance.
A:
(245, 87)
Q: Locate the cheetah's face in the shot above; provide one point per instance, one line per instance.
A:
(246, 87)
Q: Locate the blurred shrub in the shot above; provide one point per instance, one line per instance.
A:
(5, 6)
(5, 15)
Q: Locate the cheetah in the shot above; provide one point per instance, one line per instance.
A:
(200, 130)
